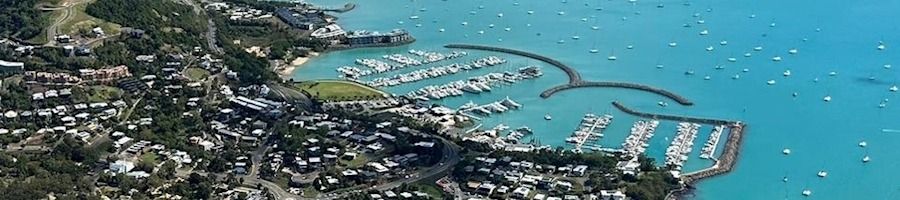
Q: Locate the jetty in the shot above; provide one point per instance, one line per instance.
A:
(677, 98)
(575, 80)
(698, 120)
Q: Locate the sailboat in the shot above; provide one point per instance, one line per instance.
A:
(612, 56)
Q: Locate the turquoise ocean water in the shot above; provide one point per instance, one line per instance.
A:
(829, 36)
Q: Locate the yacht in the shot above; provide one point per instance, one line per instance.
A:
(827, 98)
(414, 17)
(547, 117)
(880, 45)
(776, 58)
(786, 151)
(530, 12)
(611, 57)
(594, 50)
(863, 144)
(806, 192)
(792, 51)
(704, 32)
(560, 13)
(673, 44)
(893, 88)
(499, 14)
(822, 174)
(865, 159)
(710, 48)
(441, 30)
(747, 54)
(758, 48)
(787, 73)
(723, 42)
(595, 27)
(770, 82)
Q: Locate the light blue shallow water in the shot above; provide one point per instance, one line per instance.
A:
(822, 135)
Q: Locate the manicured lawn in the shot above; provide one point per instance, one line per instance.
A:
(150, 157)
(194, 73)
(102, 93)
(433, 191)
(338, 90)
(310, 192)
(357, 162)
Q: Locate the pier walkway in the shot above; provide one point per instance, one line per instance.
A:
(575, 80)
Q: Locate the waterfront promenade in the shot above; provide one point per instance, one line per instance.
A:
(575, 80)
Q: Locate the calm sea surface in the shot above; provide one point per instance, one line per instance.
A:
(828, 35)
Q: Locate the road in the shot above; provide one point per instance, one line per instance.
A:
(451, 157)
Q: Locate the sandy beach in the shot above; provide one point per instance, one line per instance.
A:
(286, 71)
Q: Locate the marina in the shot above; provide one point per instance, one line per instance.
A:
(433, 72)
(678, 150)
(474, 85)
(737, 90)
(709, 148)
(499, 106)
(637, 141)
(590, 130)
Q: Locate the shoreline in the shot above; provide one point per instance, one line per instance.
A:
(286, 71)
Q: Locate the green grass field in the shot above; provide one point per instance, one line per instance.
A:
(80, 20)
(102, 93)
(338, 90)
(196, 74)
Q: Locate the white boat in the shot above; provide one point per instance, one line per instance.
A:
(806, 192)
(770, 82)
(723, 42)
(575, 37)
(822, 174)
(862, 144)
(827, 98)
(747, 54)
(893, 88)
(441, 30)
(732, 59)
(704, 32)
(832, 73)
(776, 58)
(792, 51)
(662, 104)
(530, 12)
(499, 14)
(880, 46)
(758, 48)
(595, 28)
(710, 48)
(547, 117)
(465, 23)
(786, 151)
(629, 47)
(611, 58)
(673, 44)
(507, 29)
(866, 159)
(707, 77)
(414, 17)
(561, 42)
(787, 73)
(560, 13)
(594, 50)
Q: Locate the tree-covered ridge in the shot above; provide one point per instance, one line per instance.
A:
(20, 18)
(149, 14)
